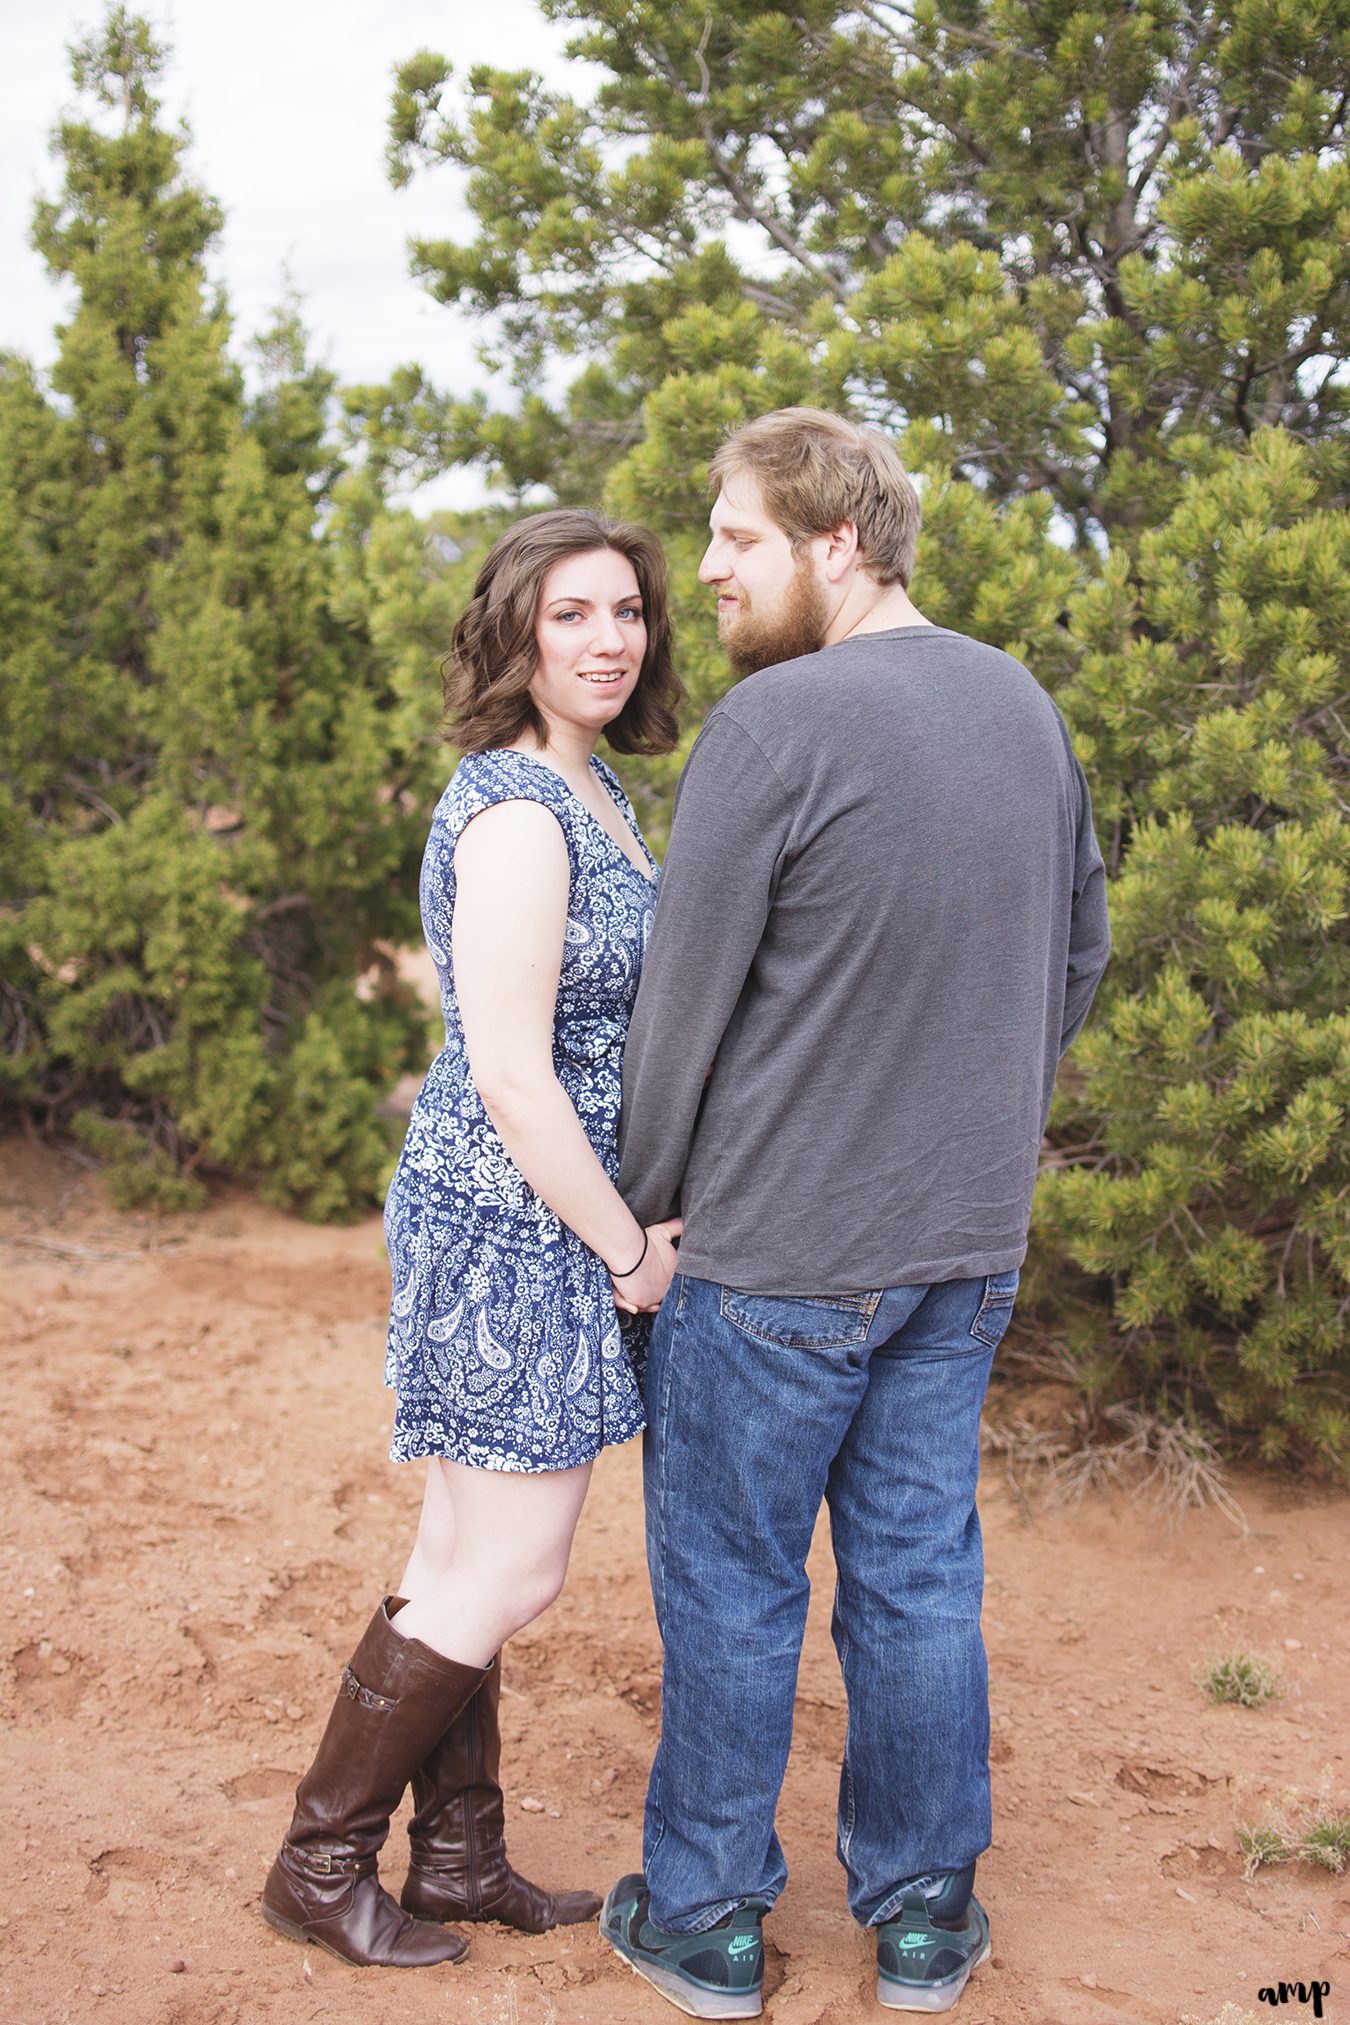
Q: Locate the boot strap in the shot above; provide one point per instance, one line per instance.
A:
(366, 1697)
(331, 1862)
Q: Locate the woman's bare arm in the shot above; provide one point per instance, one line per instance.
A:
(511, 890)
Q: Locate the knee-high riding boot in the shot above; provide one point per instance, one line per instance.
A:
(396, 1700)
(459, 1869)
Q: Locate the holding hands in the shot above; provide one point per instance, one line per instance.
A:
(642, 1290)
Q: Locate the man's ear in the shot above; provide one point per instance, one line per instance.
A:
(841, 551)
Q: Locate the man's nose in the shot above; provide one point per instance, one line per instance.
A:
(712, 569)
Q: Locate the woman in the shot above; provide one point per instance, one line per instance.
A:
(509, 1244)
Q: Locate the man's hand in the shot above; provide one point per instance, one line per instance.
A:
(642, 1292)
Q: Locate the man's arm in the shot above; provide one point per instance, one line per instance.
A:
(726, 843)
(1089, 930)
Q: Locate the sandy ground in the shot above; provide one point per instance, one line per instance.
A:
(198, 1517)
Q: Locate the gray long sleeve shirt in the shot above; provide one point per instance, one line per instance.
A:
(882, 918)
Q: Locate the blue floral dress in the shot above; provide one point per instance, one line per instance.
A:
(505, 1348)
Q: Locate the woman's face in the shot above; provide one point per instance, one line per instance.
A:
(592, 636)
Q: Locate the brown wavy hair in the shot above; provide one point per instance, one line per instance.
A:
(493, 654)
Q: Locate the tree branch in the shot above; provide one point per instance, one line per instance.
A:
(732, 181)
(974, 37)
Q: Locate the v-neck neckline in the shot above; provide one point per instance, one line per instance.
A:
(590, 815)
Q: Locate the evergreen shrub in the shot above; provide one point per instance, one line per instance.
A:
(1202, 1179)
(217, 730)
(1091, 268)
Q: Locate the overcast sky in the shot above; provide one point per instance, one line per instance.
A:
(287, 101)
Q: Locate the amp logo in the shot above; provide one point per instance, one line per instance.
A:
(1302, 1993)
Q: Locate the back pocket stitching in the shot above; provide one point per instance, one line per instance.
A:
(996, 1308)
(863, 1316)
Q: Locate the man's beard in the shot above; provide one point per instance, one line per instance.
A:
(796, 626)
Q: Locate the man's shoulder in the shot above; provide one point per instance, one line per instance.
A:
(761, 692)
(760, 704)
(794, 692)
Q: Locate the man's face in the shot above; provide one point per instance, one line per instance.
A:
(771, 602)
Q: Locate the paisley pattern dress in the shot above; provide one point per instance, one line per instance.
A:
(505, 1347)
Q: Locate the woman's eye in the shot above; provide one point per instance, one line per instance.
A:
(630, 611)
(567, 615)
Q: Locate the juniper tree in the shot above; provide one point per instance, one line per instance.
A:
(1203, 1177)
(1064, 256)
(209, 842)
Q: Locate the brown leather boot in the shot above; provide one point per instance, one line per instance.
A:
(459, 1869)
(396, 1698)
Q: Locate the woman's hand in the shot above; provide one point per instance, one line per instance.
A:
(642, 1292)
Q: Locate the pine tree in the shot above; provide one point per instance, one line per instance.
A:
(1202, 1180)
(1065, 258)
(1058, 249)
(1091, 269)
(210, 839)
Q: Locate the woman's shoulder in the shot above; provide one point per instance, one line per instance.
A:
(497, 775)
(484, 780)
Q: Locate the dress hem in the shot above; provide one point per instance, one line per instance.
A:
(421, 1449)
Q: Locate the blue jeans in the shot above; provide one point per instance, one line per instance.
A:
(758, 1407)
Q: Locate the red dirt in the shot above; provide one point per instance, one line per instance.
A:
(199, 1519)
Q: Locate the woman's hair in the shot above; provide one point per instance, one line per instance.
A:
(494, 652)
(815, 470)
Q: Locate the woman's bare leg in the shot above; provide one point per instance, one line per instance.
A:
(434, 1548)
(494, 1556)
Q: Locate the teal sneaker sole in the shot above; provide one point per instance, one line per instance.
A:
(694, 1999)
(898, 1995)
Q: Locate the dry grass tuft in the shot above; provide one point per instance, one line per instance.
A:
(1317, 1834)
(1166, 1463)
(507, 2008)
(1241, 1678)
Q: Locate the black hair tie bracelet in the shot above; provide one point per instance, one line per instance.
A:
(646, 1240)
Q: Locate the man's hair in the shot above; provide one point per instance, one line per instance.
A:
(493, 654)
(816, 470)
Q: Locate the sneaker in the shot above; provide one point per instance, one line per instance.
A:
(925, 1954)
(717, 1974)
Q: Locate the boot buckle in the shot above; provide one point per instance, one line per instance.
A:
(355, 1692)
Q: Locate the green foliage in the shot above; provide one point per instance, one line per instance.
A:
(139, 1174)
(1326, 1842)
(1203, 1171)
(1261, 1844)
(1092, 270)
(213, 780)
(1239, 1678)
(1061, 251)
(1318, 1836)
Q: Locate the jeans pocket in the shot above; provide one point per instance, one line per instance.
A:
(801, 1321)
(990, 1324)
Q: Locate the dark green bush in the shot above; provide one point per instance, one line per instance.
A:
(215, 759)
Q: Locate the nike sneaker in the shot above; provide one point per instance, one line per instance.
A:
(926, 1953)
(717, 1974)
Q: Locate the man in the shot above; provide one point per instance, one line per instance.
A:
(882, 919)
